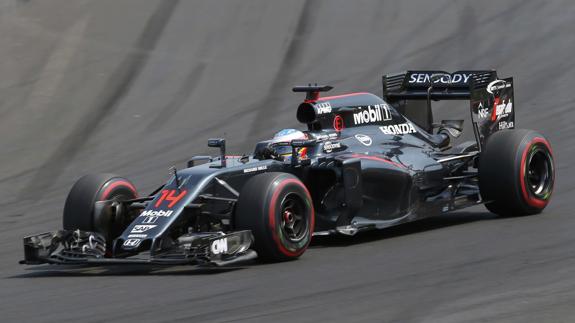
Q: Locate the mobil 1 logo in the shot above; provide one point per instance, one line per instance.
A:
(371, 114)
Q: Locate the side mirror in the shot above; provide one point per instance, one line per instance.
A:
(216, 142)
(219, 143)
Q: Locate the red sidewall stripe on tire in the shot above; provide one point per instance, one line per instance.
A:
(272, 218)
(532, 200)
(110, 187)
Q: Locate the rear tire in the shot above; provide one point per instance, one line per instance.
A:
(516, 172)
(79, 208)
(278, 209)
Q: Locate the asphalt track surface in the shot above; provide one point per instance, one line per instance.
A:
(134, 87)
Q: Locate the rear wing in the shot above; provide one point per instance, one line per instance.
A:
(413, 85)
(491, 99)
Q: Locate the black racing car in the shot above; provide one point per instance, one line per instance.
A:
(361, 164)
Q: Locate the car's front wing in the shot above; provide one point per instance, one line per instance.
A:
(82, 247)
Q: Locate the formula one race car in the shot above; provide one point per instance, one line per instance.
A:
(363, 163)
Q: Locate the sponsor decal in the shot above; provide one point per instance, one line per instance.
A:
(501, 109)
(398, 129)
(142, 228)
(482, 112)
(338, 123)
(132, 243)
(170, 196)
(332, 135)
(138, 236)
(370, 114)
(329, 146)
(497, 85)
(364, 139)
(219, 246)
(150, 219)
(323, 107)
(255, 169)
(425, 78)
(156, 213)
(505, 125)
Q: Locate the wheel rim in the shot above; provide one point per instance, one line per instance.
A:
(539, 172)
(294, 223)
(116, 220)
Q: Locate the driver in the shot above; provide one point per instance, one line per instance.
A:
(285, 136)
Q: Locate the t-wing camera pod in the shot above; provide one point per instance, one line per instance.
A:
(312, 91)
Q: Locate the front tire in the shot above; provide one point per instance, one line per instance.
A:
(79, 210)
(278, 209)
(516, 172)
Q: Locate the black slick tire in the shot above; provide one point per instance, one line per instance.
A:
(278, 209)
(516, 172)
(80, 203)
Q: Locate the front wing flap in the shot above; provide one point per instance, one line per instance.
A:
(83, 247)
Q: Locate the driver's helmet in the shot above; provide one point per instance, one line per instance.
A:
(286, 136)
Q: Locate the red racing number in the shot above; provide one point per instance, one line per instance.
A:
(172, 196)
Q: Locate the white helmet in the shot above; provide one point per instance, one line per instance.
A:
(286, 136)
